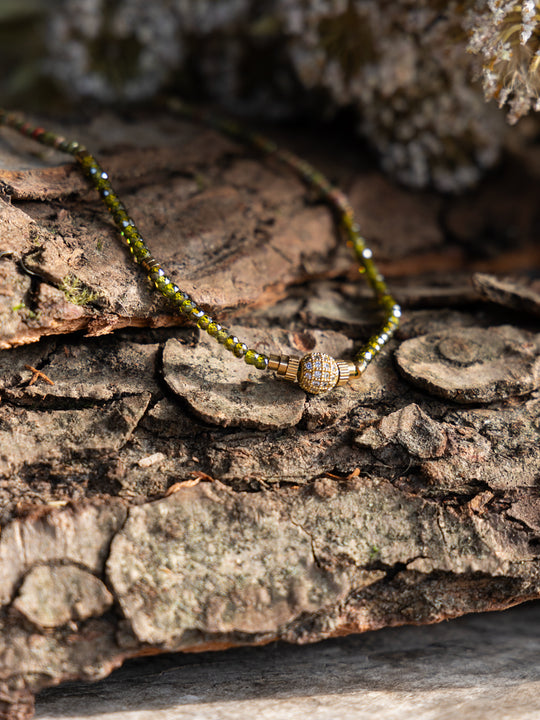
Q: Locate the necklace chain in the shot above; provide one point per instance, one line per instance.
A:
(315, 372)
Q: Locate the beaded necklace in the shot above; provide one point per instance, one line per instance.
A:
(315, 372)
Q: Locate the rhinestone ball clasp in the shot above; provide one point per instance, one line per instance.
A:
(317, 373)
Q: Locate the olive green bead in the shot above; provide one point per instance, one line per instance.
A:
(187, 306)
(48, 138)
(261, 362)
(251, 357)
(120, 215)
(213, 329)
(231, 342)
(204, 321)
(222, 336)
(112, 203)
(240, 349)
(168, 291)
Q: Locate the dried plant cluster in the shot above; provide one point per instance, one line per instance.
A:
(506, 35)
(412, 70)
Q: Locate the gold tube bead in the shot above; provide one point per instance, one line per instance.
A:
(273, 362)
(344, 372)
(283, 364)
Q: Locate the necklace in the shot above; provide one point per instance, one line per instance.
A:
(315, 372)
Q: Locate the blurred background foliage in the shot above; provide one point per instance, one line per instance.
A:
(414, 77)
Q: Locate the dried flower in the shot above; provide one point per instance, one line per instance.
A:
(506, 35)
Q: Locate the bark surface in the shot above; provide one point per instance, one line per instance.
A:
(161, 495)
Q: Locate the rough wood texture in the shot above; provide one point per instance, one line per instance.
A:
(161, 495)
(486, 665)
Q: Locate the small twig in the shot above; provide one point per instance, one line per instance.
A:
(36, 375)
(196, 478)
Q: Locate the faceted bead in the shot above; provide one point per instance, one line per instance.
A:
(251, 357)
(142, 253)
(240, 349)
(213, 329)
(120, 216)
(113, 203)
(204, 321)
(48, 138)
(167, 290)
(187, 306)
(222, 336)
(231, 342)
(102, 183)
(261, 363)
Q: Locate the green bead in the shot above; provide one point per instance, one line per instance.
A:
(222, 336)
(48, 138)
(142, 253)
(112, 203)
(132, 233)
(231, 342)
(204, 321)
(251, 357)
(261, 362)
(102, 184)
(213, 329)
(240, 349)
(120, 215)
(162, 280)
(168, 290)
(85, 161)
(187, 306)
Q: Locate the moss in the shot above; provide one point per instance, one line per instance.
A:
(76, 291)
(374, 553)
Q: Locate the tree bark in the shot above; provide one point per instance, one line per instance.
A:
(161, 495)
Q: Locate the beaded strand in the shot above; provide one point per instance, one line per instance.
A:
(334, 197)
(315, 372)
(134, 241)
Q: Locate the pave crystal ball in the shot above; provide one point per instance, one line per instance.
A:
(317, 373)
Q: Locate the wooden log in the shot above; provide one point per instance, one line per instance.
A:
(161, 495)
